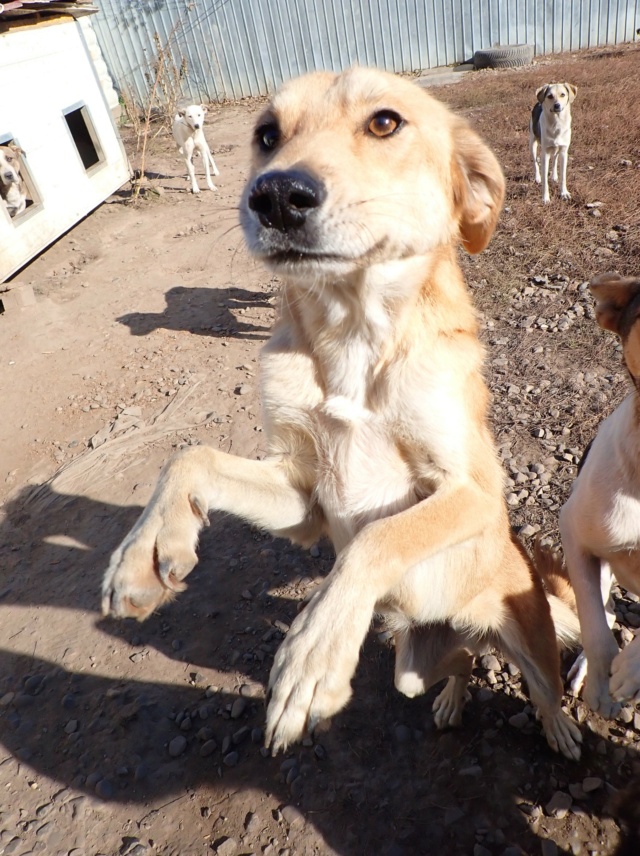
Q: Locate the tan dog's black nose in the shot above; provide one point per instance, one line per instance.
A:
(283, 200)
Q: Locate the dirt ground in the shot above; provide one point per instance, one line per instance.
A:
(119, 738)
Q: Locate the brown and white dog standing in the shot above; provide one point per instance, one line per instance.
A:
(550, 131)
(12, 188)
(375, 411)
(600, 522)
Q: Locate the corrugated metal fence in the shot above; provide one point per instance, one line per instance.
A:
(231, 49)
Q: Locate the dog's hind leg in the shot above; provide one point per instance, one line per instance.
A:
(533, 148)
(528, 638)
(214, 168)
(426, 655)
(149, 567)
(208, 160)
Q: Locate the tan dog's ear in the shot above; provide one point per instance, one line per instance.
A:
(181, 113)
(478, 188)
(16, 149)
(203, 108)
(572, 90)
(613, 294)
(541, 93)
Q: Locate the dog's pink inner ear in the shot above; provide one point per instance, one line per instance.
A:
(478, 189)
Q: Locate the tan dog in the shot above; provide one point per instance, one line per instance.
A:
(12, 188)
(375, 411)
(600, 522)
(550, 130)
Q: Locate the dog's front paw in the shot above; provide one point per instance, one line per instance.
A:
(211, 185)
(149, 567)
(195, 190)
(563, 735)
(597, 696)
(310, 680)
(546, 200)
(565, 195)
(624, 684)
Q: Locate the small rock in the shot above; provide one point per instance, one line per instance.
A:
(208, 748)
(177, 746)
(238, 707)
(591, 783)
(519, 720)
(314, 551)
(104, 789)
(559, 805)
(231, 759)
(292, 815)
(227, 848)
(490, 661)
(71, 726)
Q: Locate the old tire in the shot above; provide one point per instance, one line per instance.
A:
(508, 57)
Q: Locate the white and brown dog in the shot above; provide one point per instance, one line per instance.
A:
(550, 132)
(13, 191)
(188, 124)
(600, 522)
(375, 411)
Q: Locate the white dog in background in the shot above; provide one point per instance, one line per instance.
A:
(550, 130)
(188, 133)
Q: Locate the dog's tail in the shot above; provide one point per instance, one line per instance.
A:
(560, 595)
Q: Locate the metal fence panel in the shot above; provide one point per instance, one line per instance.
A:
(232, 49)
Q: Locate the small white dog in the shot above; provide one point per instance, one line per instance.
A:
(189, 136)
(12, 188)
(600, 522)
(550, 130)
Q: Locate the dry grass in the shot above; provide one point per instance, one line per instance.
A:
(605, 134)
(562, 241)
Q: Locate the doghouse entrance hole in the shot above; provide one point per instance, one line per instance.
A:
(34, 200)
(84, 136)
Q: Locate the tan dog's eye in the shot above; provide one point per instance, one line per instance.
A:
(384, 123)
(267, 136)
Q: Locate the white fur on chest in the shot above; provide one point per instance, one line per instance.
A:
(555, 130)
(605, 500)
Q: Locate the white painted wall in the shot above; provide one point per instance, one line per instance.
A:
(45, 69)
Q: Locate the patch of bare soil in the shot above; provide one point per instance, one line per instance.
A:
(147, 739)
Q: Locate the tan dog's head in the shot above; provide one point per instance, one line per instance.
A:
(10, 165)
(360, 168)
(556, 97)
(618, 310)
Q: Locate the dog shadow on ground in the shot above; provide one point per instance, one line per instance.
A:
(381, 781)
(205, 311)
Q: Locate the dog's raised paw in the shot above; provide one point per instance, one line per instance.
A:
(149, 567)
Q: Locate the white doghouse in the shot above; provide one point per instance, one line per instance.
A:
(54, 109)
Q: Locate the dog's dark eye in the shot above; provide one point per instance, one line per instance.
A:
(267, 136)
(384, 123)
